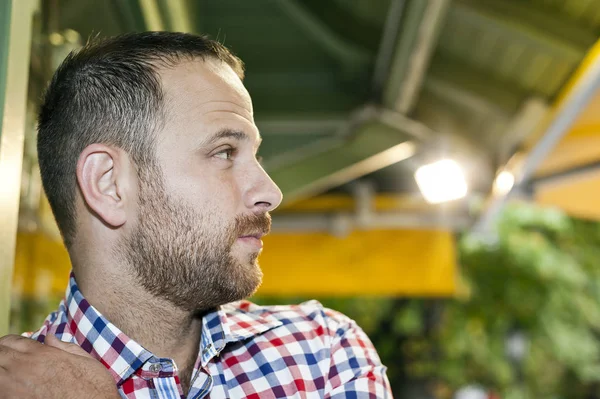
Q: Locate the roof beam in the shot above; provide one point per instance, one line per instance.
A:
(331, 163)
(414, 46)
(170, 15)
(178, 15)
(152, 17)
(343, 51)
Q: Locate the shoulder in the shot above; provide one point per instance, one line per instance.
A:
(311, 328)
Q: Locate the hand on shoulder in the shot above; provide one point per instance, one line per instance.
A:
(29, 369)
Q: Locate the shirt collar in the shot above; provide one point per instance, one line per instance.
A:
(122, 356)
(233, 322)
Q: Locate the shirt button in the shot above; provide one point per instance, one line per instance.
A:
(155, 367)
(208, 347)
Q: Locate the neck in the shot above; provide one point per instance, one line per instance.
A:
(154, 323)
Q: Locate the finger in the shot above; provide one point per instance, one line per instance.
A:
(74, 349)
(8, 356)
(19, 343)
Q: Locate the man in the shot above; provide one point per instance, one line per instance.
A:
(147, 149)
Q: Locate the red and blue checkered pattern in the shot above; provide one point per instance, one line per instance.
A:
(246, 351)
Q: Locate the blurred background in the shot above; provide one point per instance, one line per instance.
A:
(440, 163)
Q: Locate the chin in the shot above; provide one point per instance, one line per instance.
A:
(253, 276)
(241, 288)
(246, 257)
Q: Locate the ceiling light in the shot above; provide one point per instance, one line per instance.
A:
(441, 181)
(504, 183)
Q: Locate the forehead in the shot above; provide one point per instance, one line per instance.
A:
(207, 92)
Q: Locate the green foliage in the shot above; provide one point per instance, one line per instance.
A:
(540, 275)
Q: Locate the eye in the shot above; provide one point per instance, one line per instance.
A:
(226, 153)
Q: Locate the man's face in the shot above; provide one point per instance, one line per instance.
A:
(203, 207)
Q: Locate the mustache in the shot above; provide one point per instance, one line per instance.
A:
(248, 225)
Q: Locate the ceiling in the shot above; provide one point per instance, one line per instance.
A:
(367, 90)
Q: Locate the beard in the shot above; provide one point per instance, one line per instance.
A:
(186, 257)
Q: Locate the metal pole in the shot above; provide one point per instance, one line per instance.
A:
(583, 86)
(15, 29)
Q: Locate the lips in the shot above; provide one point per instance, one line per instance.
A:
(254, 240)
(252, 228)
(258, 236)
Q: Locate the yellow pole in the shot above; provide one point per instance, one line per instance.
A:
(15, 27)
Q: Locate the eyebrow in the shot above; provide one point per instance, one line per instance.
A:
(230, 134)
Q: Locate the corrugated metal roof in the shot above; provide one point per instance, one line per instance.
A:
(492, 55)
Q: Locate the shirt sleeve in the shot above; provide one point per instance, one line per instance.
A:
(356, 370)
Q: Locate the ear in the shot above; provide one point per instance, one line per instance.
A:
(102, 177)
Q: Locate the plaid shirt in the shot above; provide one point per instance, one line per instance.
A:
(246, 351)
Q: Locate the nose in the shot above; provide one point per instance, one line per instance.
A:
(263, 194)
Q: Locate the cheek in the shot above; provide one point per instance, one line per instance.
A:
(224, 187)
(215, 195)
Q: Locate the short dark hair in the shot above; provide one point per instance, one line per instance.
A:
(109, 92)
